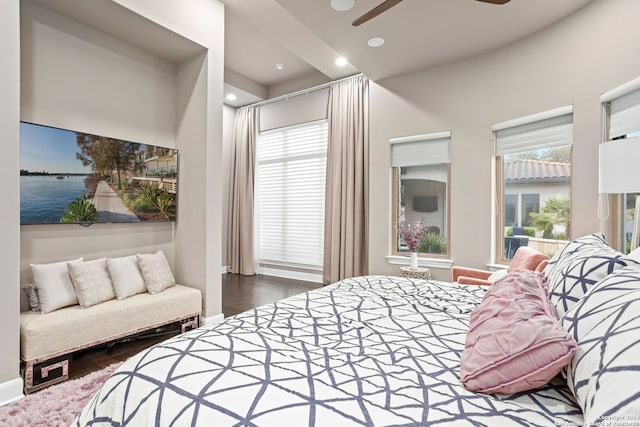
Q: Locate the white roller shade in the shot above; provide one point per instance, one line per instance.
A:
(618, 166)
(438, 173)
(624, 115)
(545, 130)
(428, 149)
(291, 191)
(298, 109)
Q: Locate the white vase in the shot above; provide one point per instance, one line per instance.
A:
(413, 260)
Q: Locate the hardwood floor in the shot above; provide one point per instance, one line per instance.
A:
(242, 293)
(239, 293)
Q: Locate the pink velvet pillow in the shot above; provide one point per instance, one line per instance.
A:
(515, 341)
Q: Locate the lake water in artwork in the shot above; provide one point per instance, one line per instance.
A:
(44, 198)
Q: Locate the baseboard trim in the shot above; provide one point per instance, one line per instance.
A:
(10, 391)
(290, 274)
(212, 320)
(224, 269)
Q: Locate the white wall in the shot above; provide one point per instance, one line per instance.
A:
(572, 62)
(305, 81)
(10, 383)
(78, 78)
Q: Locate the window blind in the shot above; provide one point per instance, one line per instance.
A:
(624, 114)
(545, 130)
(291, 192)
(428, 149)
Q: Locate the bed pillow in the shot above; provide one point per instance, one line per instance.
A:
(582, 263)
(32, 294)
(156, 272)
(604, 375)
(515, 342)
(91, 281)
(55, 288)
(635, 255)
(125, 276)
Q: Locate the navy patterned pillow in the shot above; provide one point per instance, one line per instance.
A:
(604, 374)
(582, 263)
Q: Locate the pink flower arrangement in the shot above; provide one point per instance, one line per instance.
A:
(411, 236)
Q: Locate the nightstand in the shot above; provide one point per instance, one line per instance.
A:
(415, 273)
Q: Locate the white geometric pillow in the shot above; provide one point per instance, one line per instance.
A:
(156, 272)
(604, 374)
(126, 277)
(91, 281)
(55, 289)
(581, 264)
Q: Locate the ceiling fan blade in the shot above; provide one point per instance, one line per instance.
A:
(495, 1)
(387, 4)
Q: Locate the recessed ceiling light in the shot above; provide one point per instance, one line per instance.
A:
(341, 61)
(231, 97)
(279, 66)
(376, 42)
(342, 5)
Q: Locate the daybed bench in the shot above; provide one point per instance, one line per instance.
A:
(48, 340)
(109, 299)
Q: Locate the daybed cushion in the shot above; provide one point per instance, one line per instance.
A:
(156, 271)
(126, 277)
(55, 289)
(91, 281)
(605, 372)
(515, 342)
(72, 327)
(582, 263)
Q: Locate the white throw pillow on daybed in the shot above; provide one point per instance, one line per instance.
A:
(91, 281)
(126, 277)
(55, 288)
(156, 272)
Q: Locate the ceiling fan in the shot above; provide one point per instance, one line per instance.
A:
(388, 4)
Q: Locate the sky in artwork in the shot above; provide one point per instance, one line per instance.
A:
(49, 149)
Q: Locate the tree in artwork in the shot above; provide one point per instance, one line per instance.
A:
(106, 155)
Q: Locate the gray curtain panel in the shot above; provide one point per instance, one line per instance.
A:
(240, 244)
(346, 203)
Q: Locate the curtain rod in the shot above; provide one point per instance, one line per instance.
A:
(298, 93)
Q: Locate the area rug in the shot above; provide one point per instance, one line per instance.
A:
(57, 405)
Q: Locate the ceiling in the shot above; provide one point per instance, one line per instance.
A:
(306, 36)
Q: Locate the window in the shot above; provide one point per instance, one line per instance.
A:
(622, 107)
(533, 159)
(420, 189)
(291, 189)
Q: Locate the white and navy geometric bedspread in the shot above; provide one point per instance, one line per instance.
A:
(367, 351)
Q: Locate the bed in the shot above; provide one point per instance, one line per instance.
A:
(391, 351)
(366, 351)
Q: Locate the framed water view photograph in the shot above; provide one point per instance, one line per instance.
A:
(75, 177)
